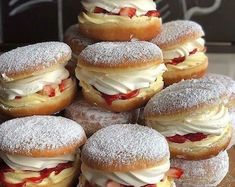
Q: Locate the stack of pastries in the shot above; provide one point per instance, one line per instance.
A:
(152, 116)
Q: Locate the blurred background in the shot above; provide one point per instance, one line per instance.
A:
(30, 21)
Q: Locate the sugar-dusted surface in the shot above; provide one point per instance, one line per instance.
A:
(32, 57)
(186, 95)
(174, 31)
(92, 118)
(203, 173)
(228, 82)
(114, 54)
(39, 133)
(119, 145)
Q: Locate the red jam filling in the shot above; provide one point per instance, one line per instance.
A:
(193, 137)
(178, 60)
(127, 11)
(43, 174)
(110, 98)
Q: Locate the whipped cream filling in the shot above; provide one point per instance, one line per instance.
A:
(183, 50)
(132, 178)
(35, 164)
(124, 82)
(114, 6)
(33, 84)
(210, 122)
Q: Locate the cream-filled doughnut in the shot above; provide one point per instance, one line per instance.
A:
(77, 43)
(33, 80)
(202, 173)
(193, 117)
(114, 20)
(92, 118)
(120, 76)
(183, 50)
(40, 151)
(126, 155)
(229, 84)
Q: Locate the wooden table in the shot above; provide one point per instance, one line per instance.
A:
(229, 180)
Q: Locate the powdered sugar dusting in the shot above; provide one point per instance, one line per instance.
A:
(228, 82)
(39, 133)
(113, 54)
(92, 118)
(174, 30)
(208, 173)
(30, 57)
(125, 144)
(185, 95)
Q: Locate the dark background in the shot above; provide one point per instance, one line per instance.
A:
(30, 21)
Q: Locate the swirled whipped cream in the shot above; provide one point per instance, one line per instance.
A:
(35, 164)
(124, 82)
(211, 122)
(132, 178)
(33, 84)
(114, 6)
(184, 49)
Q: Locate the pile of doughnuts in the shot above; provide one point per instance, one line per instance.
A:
(148, 115)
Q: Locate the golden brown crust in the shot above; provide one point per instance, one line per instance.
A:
(171, 77)
(126, 56)
(34, 59)
(94, 97)
(201, 153)
(176, 33)
(53, 105)
(143, 30)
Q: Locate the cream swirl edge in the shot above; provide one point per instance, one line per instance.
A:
(103, 19)
(33, 84)
(132, 178)
(35, 164)
(115, 83)
(210, 122)
(183, 50)
(114, 6)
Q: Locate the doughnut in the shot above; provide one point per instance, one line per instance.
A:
(183, 50)
(40, 151)
(193, 117)
(229, 84)
(120, 76)
(92, 118)
(34, 81)
(203, 173)
(115, 20)
(127, 155)
(77, 43)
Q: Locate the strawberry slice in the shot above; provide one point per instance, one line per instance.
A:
(18, 97)
(177, 139)
(110, 98)
(175, 173)
(99, 10)
(194, 137)
(176, 61)
(193, 52)
(65, 84)
(48, 90)
(153, 13)
(127, 11)
(151, 185)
